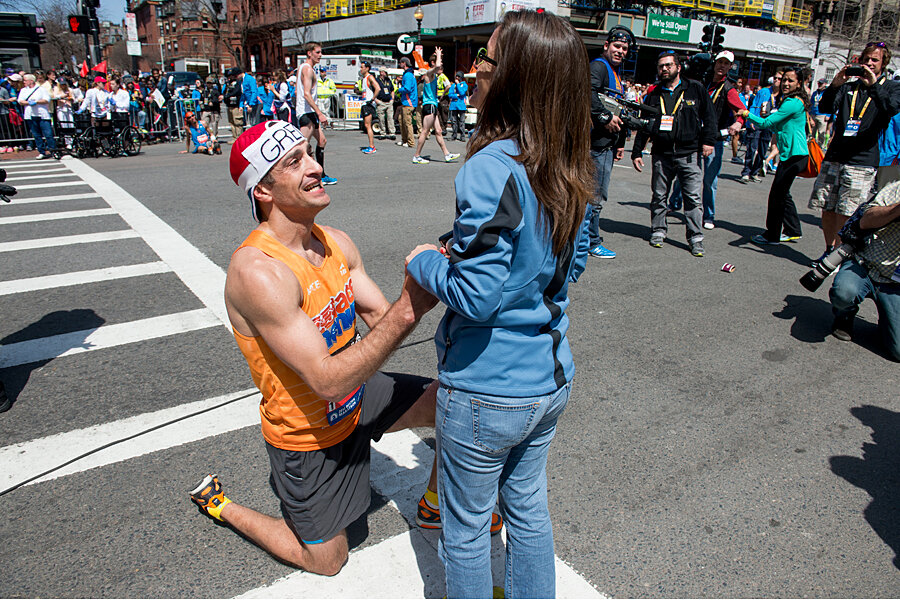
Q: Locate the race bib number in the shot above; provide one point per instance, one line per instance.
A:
(666, 122)
(338, 410)
(852, 128)
(202, 138)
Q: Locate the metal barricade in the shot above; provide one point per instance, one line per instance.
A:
(14, 130)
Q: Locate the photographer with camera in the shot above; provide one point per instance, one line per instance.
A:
(608, 131)
(683, 135)
(872, 270)
(862, 109)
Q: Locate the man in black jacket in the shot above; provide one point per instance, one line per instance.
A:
(607, 131)
(210, 105)
(683, 134)
(862, 110)
(232, 97)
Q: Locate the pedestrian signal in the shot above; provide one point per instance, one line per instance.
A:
(79, 24)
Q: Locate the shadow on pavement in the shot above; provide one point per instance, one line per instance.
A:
(877, 472)
(80, 320)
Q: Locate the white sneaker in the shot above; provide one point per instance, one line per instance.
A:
(418, 160)
(450, 157)
(41, 157)
(709, 225)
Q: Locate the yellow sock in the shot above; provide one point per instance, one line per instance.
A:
(431, 498)
(216, 511)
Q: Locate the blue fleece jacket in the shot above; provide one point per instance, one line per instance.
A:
(504, 332)
(248, 91)
(409, 93)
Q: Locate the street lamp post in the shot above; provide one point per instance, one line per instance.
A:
(419, 15)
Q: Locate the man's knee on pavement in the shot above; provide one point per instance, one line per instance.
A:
(327, 558)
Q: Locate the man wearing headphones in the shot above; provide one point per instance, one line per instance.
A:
(607, 131)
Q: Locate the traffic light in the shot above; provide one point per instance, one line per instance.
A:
(713, 40)
(708, 34)
(718, 42)
(80, 24)
(41, 34)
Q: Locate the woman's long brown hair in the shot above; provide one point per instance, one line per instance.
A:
(539, 96)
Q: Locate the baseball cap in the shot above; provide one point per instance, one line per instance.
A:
(15, 77)
(210, 79)
(726, 54)
(257, 150)
(233, 71)
(99, 79)
(823, 80)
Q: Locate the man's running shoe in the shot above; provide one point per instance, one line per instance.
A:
(369, 150)
(326, 180)
(736, 160)
(745, 179)
(790, 238)
(450, 157)
(657, 239)
(418, 160)
(210, 497)
(599, 251)
(428, 517)
(697, 249)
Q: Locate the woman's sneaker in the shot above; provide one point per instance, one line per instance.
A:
(369, 150)
(418, 160)
(429, 517)
(450, 157)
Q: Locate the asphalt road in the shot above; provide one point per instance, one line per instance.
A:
(719, 442)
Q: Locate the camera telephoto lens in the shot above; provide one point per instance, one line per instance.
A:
(826, 267)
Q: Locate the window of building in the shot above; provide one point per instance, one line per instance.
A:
(205, 24)
(173, 25)
(167, 28)
(175, 45)
(168, 46)
(195, 43)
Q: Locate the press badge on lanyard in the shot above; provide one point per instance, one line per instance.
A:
(853, 123)
(667, 122)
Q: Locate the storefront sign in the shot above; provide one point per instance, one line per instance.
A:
(477, 11)
(505, 5)
(663, 27)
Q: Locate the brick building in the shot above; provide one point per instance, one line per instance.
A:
(193, 35)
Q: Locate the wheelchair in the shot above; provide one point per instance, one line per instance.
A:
(113, 136)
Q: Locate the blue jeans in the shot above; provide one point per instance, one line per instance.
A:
(712, 164)
(757, 148)
(42, 130)
(852, 285)
(603, 166)
(487, 444)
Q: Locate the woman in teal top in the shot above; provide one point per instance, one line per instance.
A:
(789, 124)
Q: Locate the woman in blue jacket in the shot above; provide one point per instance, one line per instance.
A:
(504, 363)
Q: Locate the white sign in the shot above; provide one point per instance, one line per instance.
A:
(505, 5)
(477, 11)
(131, 27)
(405, 44)
(134, 47)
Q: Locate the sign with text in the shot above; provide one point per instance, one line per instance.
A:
(477, 11)
(664, 27)
(353, 107)
(133, 47)
(505, 5)
(131, 27)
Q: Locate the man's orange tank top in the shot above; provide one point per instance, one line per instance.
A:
(293, 417)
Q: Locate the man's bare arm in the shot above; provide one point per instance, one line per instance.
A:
(371, 305)
(877, 217)
(266, 295)
(309, 80)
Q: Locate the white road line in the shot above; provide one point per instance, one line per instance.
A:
(53, 169)
(105, 336)
(56, 198)
(55, 175)
(18, 164)
(40, 186)
(404, 566)
(56, 216)
(201, 275)
(66, 240)
(31, 284)
(27, 459)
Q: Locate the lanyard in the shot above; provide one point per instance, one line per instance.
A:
(618, 81)
(677, 104)
(718, 91)
(866, 105)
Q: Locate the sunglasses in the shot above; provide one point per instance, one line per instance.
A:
(876, 44)
(482, 57)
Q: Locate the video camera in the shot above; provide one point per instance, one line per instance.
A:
(628, 111)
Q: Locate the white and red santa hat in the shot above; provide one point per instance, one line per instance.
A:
(257, 150)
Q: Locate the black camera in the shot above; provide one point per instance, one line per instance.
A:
(852, 239)
(855, 71)
(629, 112)
(825, 267)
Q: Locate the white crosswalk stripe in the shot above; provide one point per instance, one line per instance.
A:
(405, 565)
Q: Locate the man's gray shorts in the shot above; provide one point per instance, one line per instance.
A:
(841, 188)
(323, 491)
